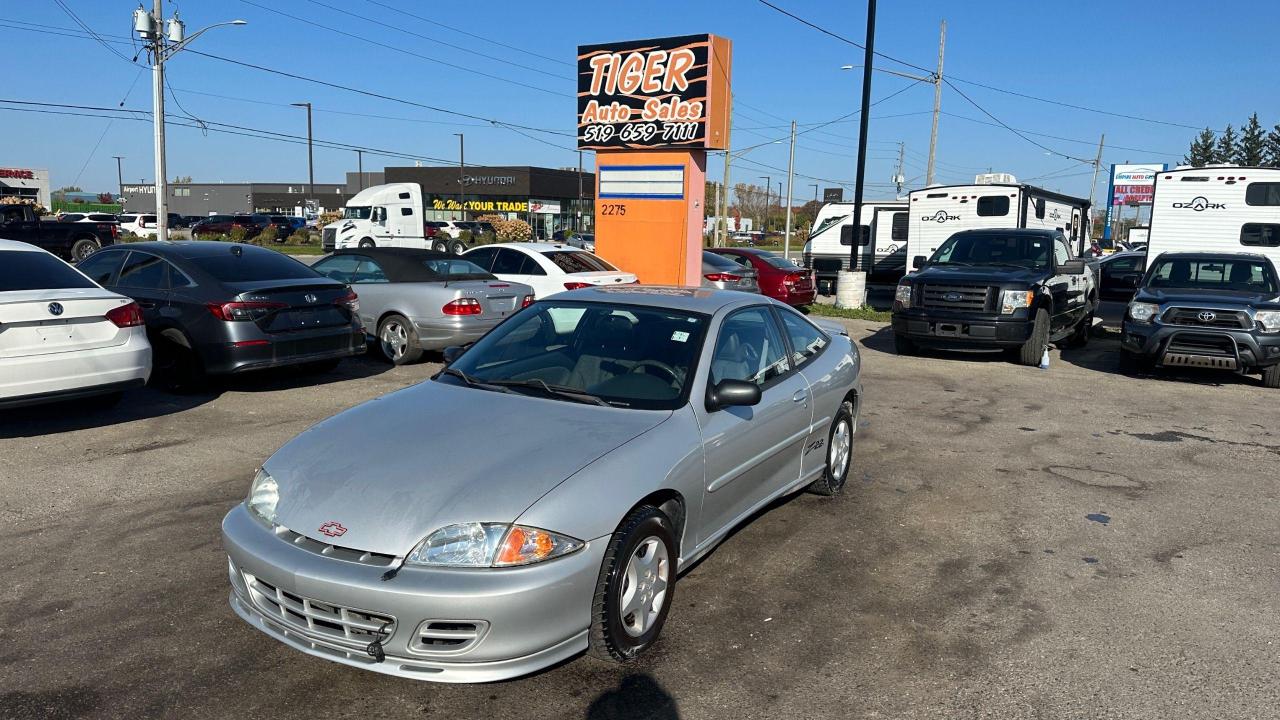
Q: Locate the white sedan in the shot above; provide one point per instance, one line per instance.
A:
(548, 268)
(61, 335)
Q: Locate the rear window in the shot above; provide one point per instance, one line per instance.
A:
(128, 218)
(26, 270)
(1262, 193)
(780, 263)
(253, 265)
(578, 261)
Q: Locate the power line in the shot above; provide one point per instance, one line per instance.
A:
(842, 38)
(331, 111)
(470, 34)
(1006, 126)
(1065, 139)
(76, 19)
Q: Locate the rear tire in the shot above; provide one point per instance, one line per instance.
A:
(839, 453)
(904, 345)
(1033, 349)
(366, 243)
(83, 248)
(457, 247)
(1271, 376)
(638, 573)
(398, 340)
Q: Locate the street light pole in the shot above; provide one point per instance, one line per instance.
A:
(815, 191)
(462, 176)
(853, 294)
(311, 160)
(768, 194)
(119, 176)
(360, 167)
(791, 165)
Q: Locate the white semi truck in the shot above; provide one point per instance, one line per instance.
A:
(388, 215)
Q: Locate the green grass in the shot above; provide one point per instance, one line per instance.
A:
(298, 249)
(862, 313)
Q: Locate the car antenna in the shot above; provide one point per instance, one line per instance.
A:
(237, 250)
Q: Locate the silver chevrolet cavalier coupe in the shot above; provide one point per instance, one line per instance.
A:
(541, 494)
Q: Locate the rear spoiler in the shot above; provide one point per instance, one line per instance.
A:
(830, 326)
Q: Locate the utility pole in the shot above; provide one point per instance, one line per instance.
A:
(898, 177)
(119, 175)
(163, 42)
(462, 176)
(791, 164)
(311, 165)
(579, 215)
(768, 196)
(360, 167)
(937, 105)
(853, 292)
(815, 191)
(1097, 165)
(724, 212)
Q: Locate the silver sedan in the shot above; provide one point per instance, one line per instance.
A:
(414, 300)
(720, 272)
(646, 423)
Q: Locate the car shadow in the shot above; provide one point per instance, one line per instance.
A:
(151, 402)
(638, 696)
(1102, 354)
(881, 341)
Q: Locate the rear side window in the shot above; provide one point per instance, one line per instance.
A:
(483, 257)
(143, 272)
(578, 261)
(253, 265)
(509, 262)
(1262, 193)
(1260, 235)
(101, 267)
(338, 267)
(898, 230)
(993, 206)
(806, 340)
(128, 218)
(26, 270)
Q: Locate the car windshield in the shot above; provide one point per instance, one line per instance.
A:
(1244, 274)
(457, 269)
(1023, 250)
(253, 265)
(26, 270)
(599, 353)
(576, 261)
(360, 212)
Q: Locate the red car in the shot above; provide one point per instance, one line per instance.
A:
(779, 278)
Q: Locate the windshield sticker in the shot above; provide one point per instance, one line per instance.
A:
(680, 336)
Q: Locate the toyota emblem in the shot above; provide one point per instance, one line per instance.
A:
(1207, 316)
(952, 297)
(333, 528)
(310, 298)
(55, 308)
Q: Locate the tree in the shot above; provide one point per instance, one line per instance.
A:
(68, 188)
(182, 179)
(1202, 150)
(752, 200)
(1225, 151)
(1252, 150)
(106, 198)
(1273, 147)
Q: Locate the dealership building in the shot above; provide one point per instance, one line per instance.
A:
(26, 183)
(211, 198)
(548, 199)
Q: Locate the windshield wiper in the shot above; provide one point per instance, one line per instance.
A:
(472, 382)
(557, 390)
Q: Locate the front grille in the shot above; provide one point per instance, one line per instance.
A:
(329, 239)
(338, 553)
(956, 297)
(1230, 319)
(335, 623)
(447, 637)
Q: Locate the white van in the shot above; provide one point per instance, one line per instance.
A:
(883, 247)
(941, 211)
(1221, 208)
(388, 215)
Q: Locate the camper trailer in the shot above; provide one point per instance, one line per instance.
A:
(882, 253)
(1222, 208)
(936, 213)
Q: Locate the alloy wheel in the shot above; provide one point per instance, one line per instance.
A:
(395, 340)
(841, 445)
(644, 587)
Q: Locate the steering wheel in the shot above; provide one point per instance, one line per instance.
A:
(672, 376)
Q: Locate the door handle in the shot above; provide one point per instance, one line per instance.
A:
(800, 396)
(146, 305)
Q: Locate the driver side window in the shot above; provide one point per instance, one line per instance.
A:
(1060, 253)
(749, 348)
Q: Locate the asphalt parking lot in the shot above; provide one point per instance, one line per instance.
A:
(1013, 543)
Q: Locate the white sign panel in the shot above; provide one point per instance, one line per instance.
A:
(659, 182)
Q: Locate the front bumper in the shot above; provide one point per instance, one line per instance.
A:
(526, 618)
(440, 333)
(955, 330)
(283, 349)
(1190, 346)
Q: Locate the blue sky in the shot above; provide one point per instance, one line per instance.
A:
(1180, 62)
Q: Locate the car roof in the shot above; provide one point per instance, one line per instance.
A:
(18, 246)
(1031, 232)
(1210, 256)
(538, 247)
(190, 248)
(403, 264)
(675, 297)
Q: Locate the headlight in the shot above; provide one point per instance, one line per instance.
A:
(1143, 312)
(1011, 300)
(1269, 320)
(490, 545)
(264, 493)
(903, 295)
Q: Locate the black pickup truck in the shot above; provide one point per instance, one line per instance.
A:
(1016, 290)
(73, 241)
(1208, 310)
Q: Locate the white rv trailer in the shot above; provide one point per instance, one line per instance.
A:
(882, 256)
(940, 211)
(1218, 208)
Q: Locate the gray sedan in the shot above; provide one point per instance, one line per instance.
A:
(647, 422)
(415, 300)
(722, 273)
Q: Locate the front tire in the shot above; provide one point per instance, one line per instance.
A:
(398, 340)
(457, 247)
(1132, 363)
(83, 248)
(839, 453)
(1034, 348)
(440, 246)
(365, 243)
(635, 587)
(1271, 376)
(904, 345)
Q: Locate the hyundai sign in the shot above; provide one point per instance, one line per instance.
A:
(1130, 185)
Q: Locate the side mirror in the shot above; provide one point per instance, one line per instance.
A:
(453, 352)
(733, 393)
(1072, 267)
(917, 263)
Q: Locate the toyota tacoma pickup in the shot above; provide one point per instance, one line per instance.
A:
(1207, 310)
(1014, 290)
(73, 241)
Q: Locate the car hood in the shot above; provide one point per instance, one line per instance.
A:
(393, 470)
(1177, 296)
(978, 275)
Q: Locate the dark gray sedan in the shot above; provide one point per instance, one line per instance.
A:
(724, 274)
(414, 300)
(645, 424)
